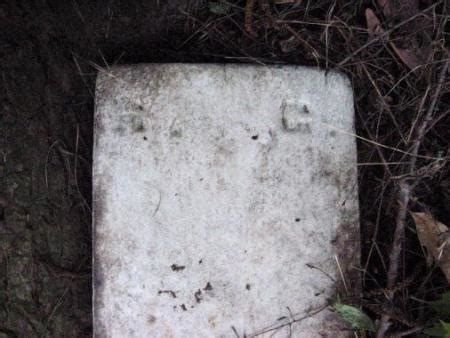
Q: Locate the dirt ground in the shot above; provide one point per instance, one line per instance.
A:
(50, 52)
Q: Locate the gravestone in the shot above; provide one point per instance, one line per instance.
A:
(225, 201)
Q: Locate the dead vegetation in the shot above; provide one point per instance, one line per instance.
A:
(394, 51)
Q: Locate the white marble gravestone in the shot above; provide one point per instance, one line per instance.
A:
(225, 201)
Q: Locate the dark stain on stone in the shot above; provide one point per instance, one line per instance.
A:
(177, 268)
(297, 219)
(101, 263)
(100, 267)
(176, 133)
(341, 176)
(99, 126)
(99, 210)
(98, 302)
(200, 261)
(208, 287)
(284, 123)
(151, 320)
(183, 307)
(347, 236)
(248, 286)
(99, 329)
(145, 138)
(169, 292)
(346, 242)
(255, 137)
(198, 296)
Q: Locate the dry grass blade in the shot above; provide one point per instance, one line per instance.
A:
(373, 24)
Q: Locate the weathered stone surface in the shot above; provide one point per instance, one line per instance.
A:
(224, 195)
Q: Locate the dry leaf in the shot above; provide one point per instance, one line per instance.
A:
(373, 24)
(435, 238)
(408, 56)
(413, 40)
(405, 9)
